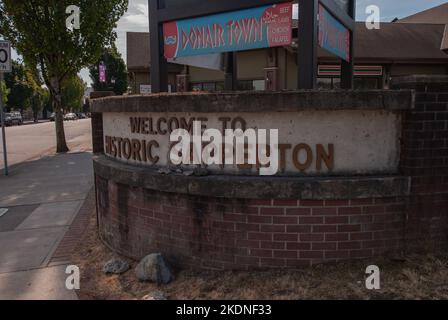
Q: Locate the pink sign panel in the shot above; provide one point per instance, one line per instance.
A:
(102, 71)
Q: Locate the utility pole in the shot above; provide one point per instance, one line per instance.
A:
(2, 115)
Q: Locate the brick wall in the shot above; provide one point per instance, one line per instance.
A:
(425, 159)
(97, 133)
(214, 233)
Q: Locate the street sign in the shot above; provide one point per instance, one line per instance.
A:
(5, 56)
(102, 72)
(254, 28)
(333, 36)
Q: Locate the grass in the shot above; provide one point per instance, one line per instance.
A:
(412, 277)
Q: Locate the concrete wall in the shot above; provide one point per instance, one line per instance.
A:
(363, 142)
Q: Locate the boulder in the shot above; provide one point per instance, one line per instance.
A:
(155, 296)
(153, 268)
(116, 266)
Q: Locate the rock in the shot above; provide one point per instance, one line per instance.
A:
(164, 171)
(153, 268)
(201, 172)
(116, 266)
(155, 296)
(188, 173)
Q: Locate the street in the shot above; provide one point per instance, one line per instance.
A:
(36, 140)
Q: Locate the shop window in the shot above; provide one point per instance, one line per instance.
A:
(251, 85)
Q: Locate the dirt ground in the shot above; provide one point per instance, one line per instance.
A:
(413, 277)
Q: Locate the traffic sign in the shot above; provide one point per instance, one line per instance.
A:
(5, 56)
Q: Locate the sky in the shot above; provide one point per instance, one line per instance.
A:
(136, 18)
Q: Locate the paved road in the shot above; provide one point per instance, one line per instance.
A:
(34, 141)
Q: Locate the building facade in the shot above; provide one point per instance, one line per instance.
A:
(411, 46)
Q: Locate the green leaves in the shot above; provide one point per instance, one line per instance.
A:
(37, 29)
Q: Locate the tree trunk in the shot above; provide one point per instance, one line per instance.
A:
(56, 100)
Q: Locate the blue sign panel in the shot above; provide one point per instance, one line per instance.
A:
(262, 27)
(333, 36)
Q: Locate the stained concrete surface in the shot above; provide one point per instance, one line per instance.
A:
(43, 197)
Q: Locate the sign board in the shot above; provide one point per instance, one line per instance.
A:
(145, 89)
(5, 56)
(255, 28)
(102, 73)
(333, 36)
(309, 142)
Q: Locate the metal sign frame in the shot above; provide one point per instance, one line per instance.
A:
(159, 13)
(8, 63)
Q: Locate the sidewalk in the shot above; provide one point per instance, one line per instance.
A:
(44, 198)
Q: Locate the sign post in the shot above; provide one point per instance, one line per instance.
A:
(5, 66)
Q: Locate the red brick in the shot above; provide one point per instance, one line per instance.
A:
(285, 203)
(298, 246)
(337, 254)
(298, 229)
(285, 220)
(312, 237)
(311, 220)
(325, 246)
(311, 203)
(374, 209)
(247, 227)
(267, 262)
(260, 253)
(248, 244)
(325, 229)
(336, 237)
(272, 228)
(259, 219)
(272, 211)
(336, 220)
(260, 236)
(356, 236)
(352, 245)
(285, 254)
(252, 261)
(349, 228)
(297, 263)
(285, 237)
(298, 211)
(325, 211)
(257, 203)
(361, 202)
(349, 211)
(273, 245)
(336, 203)
(311, 255)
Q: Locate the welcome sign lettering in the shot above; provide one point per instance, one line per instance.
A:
(262, 27)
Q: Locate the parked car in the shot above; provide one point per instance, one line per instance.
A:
(13, 118)
(70, 117)
(52, 117)
(81, 115)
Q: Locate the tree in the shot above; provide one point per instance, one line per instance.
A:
(21, 86)
(73, 93)
(4, 91)
(39, 30)
(116, 72)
